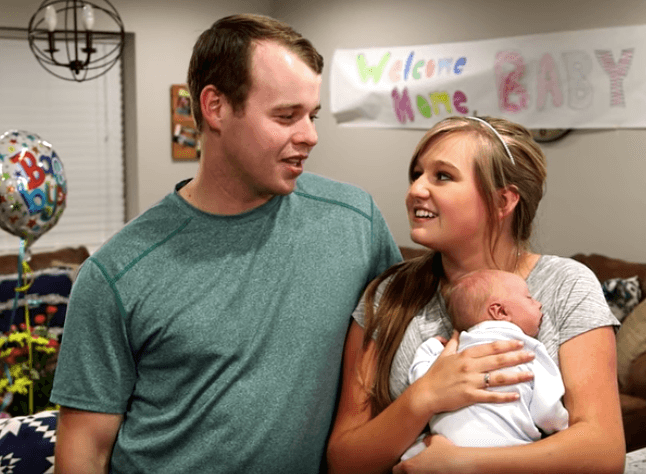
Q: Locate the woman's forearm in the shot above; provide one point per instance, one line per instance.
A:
(377, 445)
(579, 449)
(359, 443)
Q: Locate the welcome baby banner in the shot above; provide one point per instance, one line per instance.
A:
(580, 79)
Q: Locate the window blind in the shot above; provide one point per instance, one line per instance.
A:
(84, 123)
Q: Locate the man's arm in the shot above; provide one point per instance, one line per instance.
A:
(84, 441)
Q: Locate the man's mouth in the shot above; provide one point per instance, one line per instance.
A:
(296, 160)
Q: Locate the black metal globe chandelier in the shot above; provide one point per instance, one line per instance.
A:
(76, 37)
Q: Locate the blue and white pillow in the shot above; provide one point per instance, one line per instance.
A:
(622, 295)
(27, 443)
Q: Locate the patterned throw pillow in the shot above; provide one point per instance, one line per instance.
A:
(622, 295)
(27, 443)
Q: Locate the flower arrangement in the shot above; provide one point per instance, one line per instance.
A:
(29, 356)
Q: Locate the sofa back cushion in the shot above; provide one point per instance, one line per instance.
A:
(68, 256)
(631, 341)
(606, 268)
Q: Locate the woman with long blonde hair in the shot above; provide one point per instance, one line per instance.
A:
(475, 186)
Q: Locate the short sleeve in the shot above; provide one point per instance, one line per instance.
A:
(386, 253)
(572, 299)
(581, 304)
(359, 314)
(96, 369)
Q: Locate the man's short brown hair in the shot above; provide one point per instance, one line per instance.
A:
(222, 57)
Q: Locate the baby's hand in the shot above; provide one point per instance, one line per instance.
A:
(431, 460)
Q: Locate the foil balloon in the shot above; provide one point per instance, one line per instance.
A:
(32, 185)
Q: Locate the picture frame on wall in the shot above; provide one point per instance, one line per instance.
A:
(185, 138)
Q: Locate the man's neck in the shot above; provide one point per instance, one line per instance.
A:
(218, 198)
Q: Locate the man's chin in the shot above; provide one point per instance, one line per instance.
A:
(286, 187)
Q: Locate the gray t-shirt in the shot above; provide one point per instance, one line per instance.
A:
(572, 299)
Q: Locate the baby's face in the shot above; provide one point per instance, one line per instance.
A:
(524, 310)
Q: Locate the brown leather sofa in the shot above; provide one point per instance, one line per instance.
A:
(631, 347)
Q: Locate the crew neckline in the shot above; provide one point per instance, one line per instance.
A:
(254, 213)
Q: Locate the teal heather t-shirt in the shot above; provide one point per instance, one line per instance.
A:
(220, 338)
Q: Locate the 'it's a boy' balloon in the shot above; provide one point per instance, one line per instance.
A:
(32, 185)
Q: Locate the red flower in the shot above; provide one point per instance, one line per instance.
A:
(40, 319)
(51, 309)
(15, 353)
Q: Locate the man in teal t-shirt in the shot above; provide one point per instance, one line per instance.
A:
(207, 335)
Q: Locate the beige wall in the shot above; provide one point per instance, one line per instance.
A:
(596, 198)
(596, 190)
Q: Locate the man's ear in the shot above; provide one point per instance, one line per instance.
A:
(508, 198)
(212, 104)
(497, 311)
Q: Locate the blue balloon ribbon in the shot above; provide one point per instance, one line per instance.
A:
(16, 299)
(21, 254)
(22, 265)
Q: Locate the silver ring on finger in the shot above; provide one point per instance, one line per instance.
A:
(487, 379)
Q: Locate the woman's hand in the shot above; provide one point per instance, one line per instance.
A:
(458, 380)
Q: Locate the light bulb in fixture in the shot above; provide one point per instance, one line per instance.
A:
(88, 17)
(50, 17)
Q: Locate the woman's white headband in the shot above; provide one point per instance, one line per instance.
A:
(499, 138)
